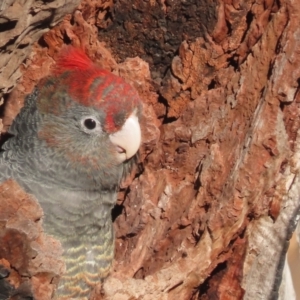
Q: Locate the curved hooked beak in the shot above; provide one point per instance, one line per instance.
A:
(128, 139)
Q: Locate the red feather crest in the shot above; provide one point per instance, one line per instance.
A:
(72, 59)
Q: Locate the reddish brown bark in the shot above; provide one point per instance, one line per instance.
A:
(220, 86)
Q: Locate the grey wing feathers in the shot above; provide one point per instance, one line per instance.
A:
(12, 158)
(26, 122)
(4, 172)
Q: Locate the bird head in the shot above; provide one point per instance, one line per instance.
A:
(89, 116)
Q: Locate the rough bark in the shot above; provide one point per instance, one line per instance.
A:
(22, 23)
(30, 261)
(217, 195)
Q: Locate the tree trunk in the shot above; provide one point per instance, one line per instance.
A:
(213, 204)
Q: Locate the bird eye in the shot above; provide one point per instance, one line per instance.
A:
(90, 123)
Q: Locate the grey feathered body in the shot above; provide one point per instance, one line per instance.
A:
(76, 199)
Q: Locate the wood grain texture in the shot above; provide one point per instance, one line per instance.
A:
(209, 213)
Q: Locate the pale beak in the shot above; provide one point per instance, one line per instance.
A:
(128, 139)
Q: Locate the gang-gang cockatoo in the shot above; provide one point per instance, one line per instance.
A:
(73, 141)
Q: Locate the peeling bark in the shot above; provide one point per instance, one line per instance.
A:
(30, 261)
(216, 196)
(22, 23)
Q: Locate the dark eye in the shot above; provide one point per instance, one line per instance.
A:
(90, 124)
